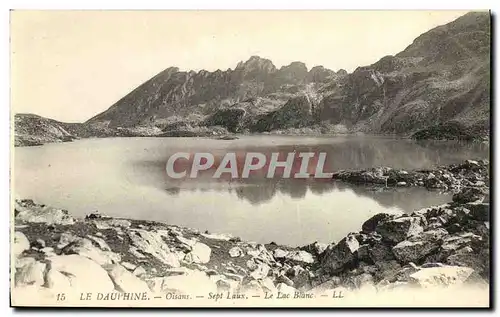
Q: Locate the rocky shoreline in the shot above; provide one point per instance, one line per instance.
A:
(469, 174)
(440, 246)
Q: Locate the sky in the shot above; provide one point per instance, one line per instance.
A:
(72, 65)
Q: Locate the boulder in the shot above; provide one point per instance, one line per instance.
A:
(30, 273)
(48, 251)
(367, 268)
(444, 214)
(380, 252)
(300, 257)
(460, 216)
(412, 251)
(283, 279)
(200, 253)
(364, 252)
(371, 176)
(300, 277)
(315, 248)
(56, 280)
(251, 265)
(371, 238)
(434, 183)
(480, 228)
(94, 215)
(479, 211)
(469, 194)
(236, 252)
(223, 285)
(110, 223)
(468, 257)
(261, 253)
(439, 235)
(65, 239)
(185, 243)
(418, 247)
(129, 266)
(234, 277)
(261, 271)
(455, 242)
(222, 237)
(82, 273)
(172, 260)
(441, 276)
(387, 269)
(20, 262)
(400, 229)
(43, 214)
(21, 243)
(339, 255)
(100, 242)
(138, 271)
(372, 223)
(279, 253)
(135, 252)
(435, 223)
(124, 280)
(85, 247)
(151, 242)
(404, 273)
(39, 244)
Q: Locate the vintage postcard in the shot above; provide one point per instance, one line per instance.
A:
(250, 158)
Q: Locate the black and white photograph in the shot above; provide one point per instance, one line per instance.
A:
(306, 158)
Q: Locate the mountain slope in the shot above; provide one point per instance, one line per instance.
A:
(35, 130)
(444, 75)
(31, 130)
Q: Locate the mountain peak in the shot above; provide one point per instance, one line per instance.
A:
(257, 63)
(255, 58)
(463, 38)
(298, 66)
(320, 74)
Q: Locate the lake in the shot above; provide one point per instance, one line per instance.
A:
(125, 177)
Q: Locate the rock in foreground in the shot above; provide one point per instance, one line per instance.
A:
(438, 246)
(469, 174)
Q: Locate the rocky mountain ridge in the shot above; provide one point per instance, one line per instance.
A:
(255, 86)
(439, 87)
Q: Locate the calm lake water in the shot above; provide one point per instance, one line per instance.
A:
(125, 177)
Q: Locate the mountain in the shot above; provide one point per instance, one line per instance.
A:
(438, 87)
(171, 96)
(443, 76)
(32, 130)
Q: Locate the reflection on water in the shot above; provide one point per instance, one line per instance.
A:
(264, 191)
(126, 178)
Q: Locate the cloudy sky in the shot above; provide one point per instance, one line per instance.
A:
(71, 65)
